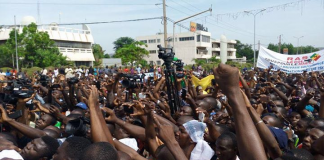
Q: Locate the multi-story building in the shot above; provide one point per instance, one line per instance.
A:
(75, 44)
(188, 46)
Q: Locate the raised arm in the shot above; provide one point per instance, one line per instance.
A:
(302, 104)
(150, 134)
(135, 131)
(166, 134)
(99, 129)
(228, 79)
(22, 128)
(266, 136)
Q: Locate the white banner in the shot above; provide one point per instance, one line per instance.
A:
(291, 63)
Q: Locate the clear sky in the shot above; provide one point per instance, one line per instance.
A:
(305, 19)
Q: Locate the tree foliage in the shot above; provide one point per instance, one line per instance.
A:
(33, 47)
(214, 60)
(244, 50)
(291, 49)
(122, 41)
(106, 56)
(199, 61)
(98, 54)
(132, 52)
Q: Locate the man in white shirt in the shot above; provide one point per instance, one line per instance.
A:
(44, 72)
(56, 71)
(69, 72)
(79, 71)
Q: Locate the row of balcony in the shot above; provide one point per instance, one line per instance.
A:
(75, 50)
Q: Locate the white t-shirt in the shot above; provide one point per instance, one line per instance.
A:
(44, 71)
(56, 72)
(10, 154)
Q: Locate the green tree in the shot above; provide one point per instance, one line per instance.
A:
(291, 49)
(106, 56)
(98, 54)
(244, 50)
(33, 46)
(143, 63)
(307, 49)
(131, 53)
(199, 61)
(214, 60)
(122, 41)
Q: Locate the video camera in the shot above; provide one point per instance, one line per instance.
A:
(78, 127)
(15, 89)
(179, 68)
(132, 81)
(73, 80)
(167, 57)
(43, 80)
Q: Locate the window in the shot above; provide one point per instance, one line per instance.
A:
(186, 38)
(205, 39)
(230, 45)
(198, 38)
(216, 53)
(144, 41)
(152, 51)
(158, 63)
(229, 53)
(152, 41)
(151, 62)
(158, 40)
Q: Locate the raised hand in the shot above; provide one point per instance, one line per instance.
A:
(4, 116)
(139, 109)
(111, 114)
(227, 78)
(94, 97)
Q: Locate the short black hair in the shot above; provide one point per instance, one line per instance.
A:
(76, 146)
(53, 119)
(307, 120)
(221, 128)
(100, 151)
(51, 144)
(229, 136)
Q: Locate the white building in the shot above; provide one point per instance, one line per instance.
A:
(187, 46)
(73, 43)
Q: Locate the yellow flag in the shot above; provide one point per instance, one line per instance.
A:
(204, 83)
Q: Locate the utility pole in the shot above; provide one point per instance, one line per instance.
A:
(279, 49)
(254, 14)
(298, 42)
(16, 46)
(165, 25)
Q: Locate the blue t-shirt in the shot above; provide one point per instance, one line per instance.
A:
(95, 71)
(8, 74)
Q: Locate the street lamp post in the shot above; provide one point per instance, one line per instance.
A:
(298, 42)
(209, 10)
(254, 14)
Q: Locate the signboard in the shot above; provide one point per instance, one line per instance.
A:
(291, 63)
(193, 27)
(197, 27)
(285, 51)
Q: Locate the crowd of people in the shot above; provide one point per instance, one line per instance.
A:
(88, 114)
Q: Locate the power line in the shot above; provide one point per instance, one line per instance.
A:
(218, 21)
(216, 24)
(104, 22)
(44, 3)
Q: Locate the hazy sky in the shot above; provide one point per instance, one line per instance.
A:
(305, 19)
